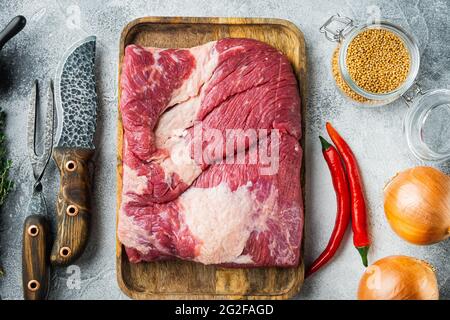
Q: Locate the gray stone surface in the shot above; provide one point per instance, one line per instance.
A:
(374, 133)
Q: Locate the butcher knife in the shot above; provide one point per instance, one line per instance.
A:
(76, 109)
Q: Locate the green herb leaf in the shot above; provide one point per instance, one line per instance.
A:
(6, 185)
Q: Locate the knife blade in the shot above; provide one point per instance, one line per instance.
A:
(76, 109)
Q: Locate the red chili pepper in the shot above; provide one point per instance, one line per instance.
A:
(343, 205)
(358, 205)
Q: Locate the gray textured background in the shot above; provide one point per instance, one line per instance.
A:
(375, 134)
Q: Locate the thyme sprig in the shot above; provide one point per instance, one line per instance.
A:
(6, 185)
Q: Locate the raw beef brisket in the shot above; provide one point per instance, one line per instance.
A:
(182, 197)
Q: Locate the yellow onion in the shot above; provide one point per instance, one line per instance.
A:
(417, 205)
(398, 278)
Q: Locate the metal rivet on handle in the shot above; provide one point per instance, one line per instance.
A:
(71, 165)
(33, 285)
(65, 252)
(33, 230)
(72, 210)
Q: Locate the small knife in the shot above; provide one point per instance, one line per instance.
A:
(76, 109)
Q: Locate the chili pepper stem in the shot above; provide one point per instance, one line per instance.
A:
(363, 252)
(325, 144)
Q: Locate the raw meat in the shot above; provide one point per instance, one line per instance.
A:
(182, 195)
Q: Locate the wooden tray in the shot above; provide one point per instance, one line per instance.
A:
(188, 280)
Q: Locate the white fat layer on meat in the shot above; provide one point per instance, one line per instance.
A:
(222, 220)
(132, 182)
(157, 66)
(170, 135)
(206, 60)
(243, 259)
(180, 161)
(174, 121)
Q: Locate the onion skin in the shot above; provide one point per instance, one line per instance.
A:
(417, 205)
(398, 278)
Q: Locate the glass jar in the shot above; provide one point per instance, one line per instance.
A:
(343, 30)
(426, 124)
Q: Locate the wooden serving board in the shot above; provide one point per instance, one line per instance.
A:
(188, 280)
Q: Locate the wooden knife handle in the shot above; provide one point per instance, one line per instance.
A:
(35, 262)
(73, 205)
